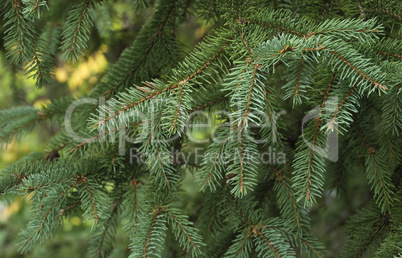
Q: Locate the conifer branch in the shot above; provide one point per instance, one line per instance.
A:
(38, 64)
(83, 179)
(72, 206)
(308, 164)
(76, 30)
(308, 242)
(241, 166)
(261, 55)
(271, 245)
(314, 142)
(146, 54)
(17, 130)
(279, 178)
(380, 174)
(178, 108)
(16, 6)
(184, 230)
(389, 54)
(365, 76)
(216, 157)
(245, 43)
(165, 90)
(372, 238)
(269, 109)
(208, 104)
(90, 139)
(47, 213)
(256, 66)
(114, 209)
(21, 125)
(333, 120)
(155, 214)
(279, 27)
(40, 227)
(395, 15)
(244, 241)
(162, 167)
(135, 183)
(298, 77)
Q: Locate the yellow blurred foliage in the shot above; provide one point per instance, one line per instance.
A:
(9, 156)
(41, 103)
(14, 207)
(88, 70)
(11, 153)
(76, 221)
(61, 74)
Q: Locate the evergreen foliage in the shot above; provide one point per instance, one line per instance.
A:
(336, 62)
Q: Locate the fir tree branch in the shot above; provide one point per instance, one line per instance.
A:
(279, 27)
(155, 214)
(245, 42)
(298, 77)
(365, 76)
(91, 139)
(279, 178)
(33, 6)
(208, 104)
(389, 54)
(314, 142)
(308, 164)
(63, 211)
(183, 229)
(256, 66)
(47, 213)
(114, 209)
(84, 180)
(144, 57)
(271, 245)
(45, 216)
(216, 157)
(244, 241)
(380, 230)
(390, 115)
(362, 74)
(76, 31)
(134, 183)
(337, 30)
(304, 239)
(167, 89)
(18, 129)
(380, 175)
(162, 167)
(152, 92)
(19, 180)
(16, 6)
(333, 120)
(241, 165)
(38, 64)
(178, 108)
(386, 11)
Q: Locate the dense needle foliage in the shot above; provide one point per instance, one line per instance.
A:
(296, 98)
